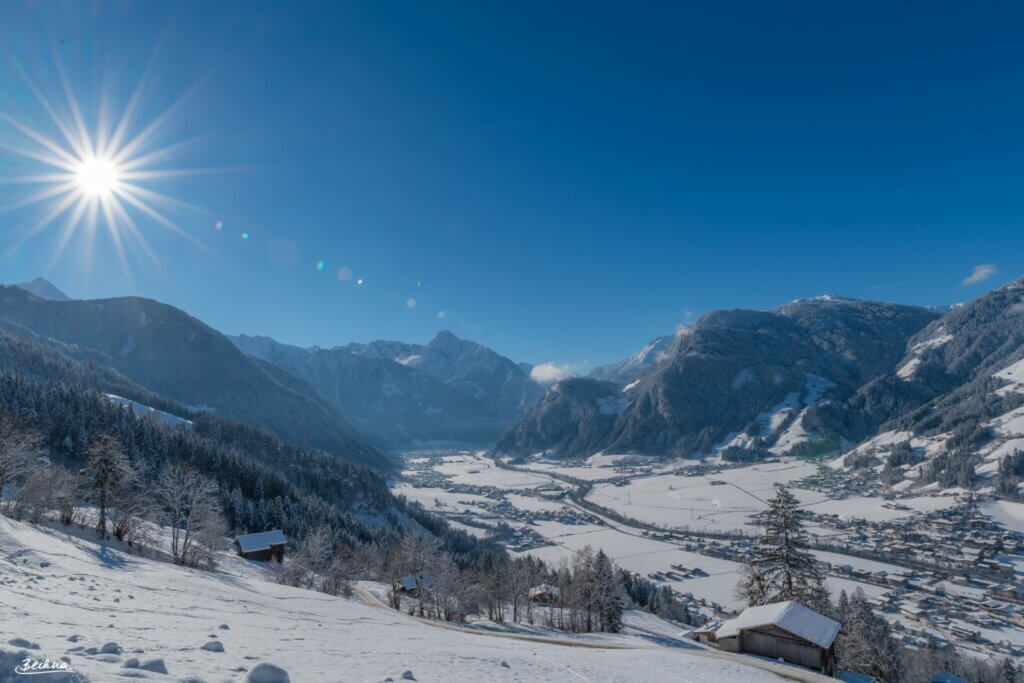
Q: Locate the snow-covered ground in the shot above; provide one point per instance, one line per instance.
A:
(66, 596)
(141, 409)
(718, 502)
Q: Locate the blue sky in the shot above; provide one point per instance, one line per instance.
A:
(559, 181)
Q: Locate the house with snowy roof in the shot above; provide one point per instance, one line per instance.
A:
(545, 593)
(411, 585)
(263, 546)
(786, 630)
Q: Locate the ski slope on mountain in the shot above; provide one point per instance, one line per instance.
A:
(64, 596)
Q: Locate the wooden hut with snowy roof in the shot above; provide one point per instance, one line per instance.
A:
(263, 546)
(545, 594)
(788, 630)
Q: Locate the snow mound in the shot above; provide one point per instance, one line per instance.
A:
(268, 673)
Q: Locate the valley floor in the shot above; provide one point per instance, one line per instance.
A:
(676, 523)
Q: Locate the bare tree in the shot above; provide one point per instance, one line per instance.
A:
(107, 470)
(133, 507)
(453, 593)
(392, 569)
(66, 489)
(311, 563)
(420, 556)
(519, 584)
(584, 590)
(191, 509)
(35, 497)
(20, 450)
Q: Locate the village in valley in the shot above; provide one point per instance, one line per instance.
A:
(944, 567)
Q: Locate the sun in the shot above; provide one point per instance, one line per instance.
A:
(97, 177)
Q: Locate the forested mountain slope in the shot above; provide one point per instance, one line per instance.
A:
(176, 356)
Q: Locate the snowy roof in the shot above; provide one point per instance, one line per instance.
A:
(544, 588)
(261, 541)
(409, 582)
(789, 616)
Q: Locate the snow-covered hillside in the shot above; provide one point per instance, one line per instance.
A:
(62, 596)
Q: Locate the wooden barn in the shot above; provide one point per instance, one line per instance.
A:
(788, 630)
(706, 634)
(545, 594)
(263, 546)
(410, 585)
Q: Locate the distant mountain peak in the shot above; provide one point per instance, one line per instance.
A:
(446, 335)
(44, 289)
(625, 371)
(446, 339)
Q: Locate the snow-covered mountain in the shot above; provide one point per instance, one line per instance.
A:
(737, 380)
(627, 370)
(44, 289)
(953, 405)
(575, 415)
(178, 357)
(932, 396)
(449, 389)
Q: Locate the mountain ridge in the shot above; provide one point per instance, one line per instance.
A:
(178, 356)
(405, 394)
(741, 378)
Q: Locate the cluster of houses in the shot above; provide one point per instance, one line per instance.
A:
(677, 573)
(949, 574)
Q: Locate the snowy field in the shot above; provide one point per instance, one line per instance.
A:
(477, 470)
(1009, 514)
(63, 596)
(438, 499)
(716, 502)
(607, 466)
(871, 508)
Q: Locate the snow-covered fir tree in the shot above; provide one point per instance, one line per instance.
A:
(865, 642)
(781, 567)
(107, 469)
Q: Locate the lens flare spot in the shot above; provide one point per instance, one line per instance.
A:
(440, 315)
(321, 266)
(410, 303)
(245, 235)
(218, 225)
(344, 273)
(359, 281)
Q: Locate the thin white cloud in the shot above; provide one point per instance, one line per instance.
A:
(684, 330)
(981, 272)
(549, 373)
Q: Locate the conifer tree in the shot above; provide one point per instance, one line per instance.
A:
(781, 568)
(607, 594)
(107, 469)
(865, 642)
